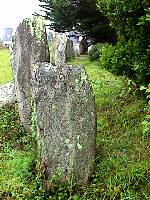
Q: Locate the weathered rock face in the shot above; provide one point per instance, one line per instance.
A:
(65, 119)
(64, 49)
(29, 45)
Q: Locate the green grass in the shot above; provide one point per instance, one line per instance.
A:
(123, 152)
(5, 68)
(122, 166)
(16, 158)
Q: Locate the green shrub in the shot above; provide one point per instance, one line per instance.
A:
(130, 57)
(107, 53)
(95, 51)
(146, 122)
(127, 59)
(116, 59)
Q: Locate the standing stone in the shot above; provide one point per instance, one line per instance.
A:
(65, 119)
(64, 49)
(29, 46)
(83, 46)
(70, 52)
(60, 47)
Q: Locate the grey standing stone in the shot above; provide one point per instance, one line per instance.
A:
(60, 47)
(65, 119)
(70, 52)
(83, 46)
(64, 48)
(29, 46)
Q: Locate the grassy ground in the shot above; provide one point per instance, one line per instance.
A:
(123, 157)
(5, 68)
(122, 166)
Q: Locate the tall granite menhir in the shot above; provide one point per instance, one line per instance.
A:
(29, 46)
(65, 119)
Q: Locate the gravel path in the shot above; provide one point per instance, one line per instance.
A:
(7, 93)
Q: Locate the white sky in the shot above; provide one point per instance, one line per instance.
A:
(13, 11)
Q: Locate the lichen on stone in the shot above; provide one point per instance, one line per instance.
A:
(37, 27)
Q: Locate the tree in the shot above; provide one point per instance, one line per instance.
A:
(131, 20)
(80, 15)
(124, 15)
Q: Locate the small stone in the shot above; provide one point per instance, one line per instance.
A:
(7, 94)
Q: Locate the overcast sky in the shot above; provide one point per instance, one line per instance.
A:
(13, 11)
